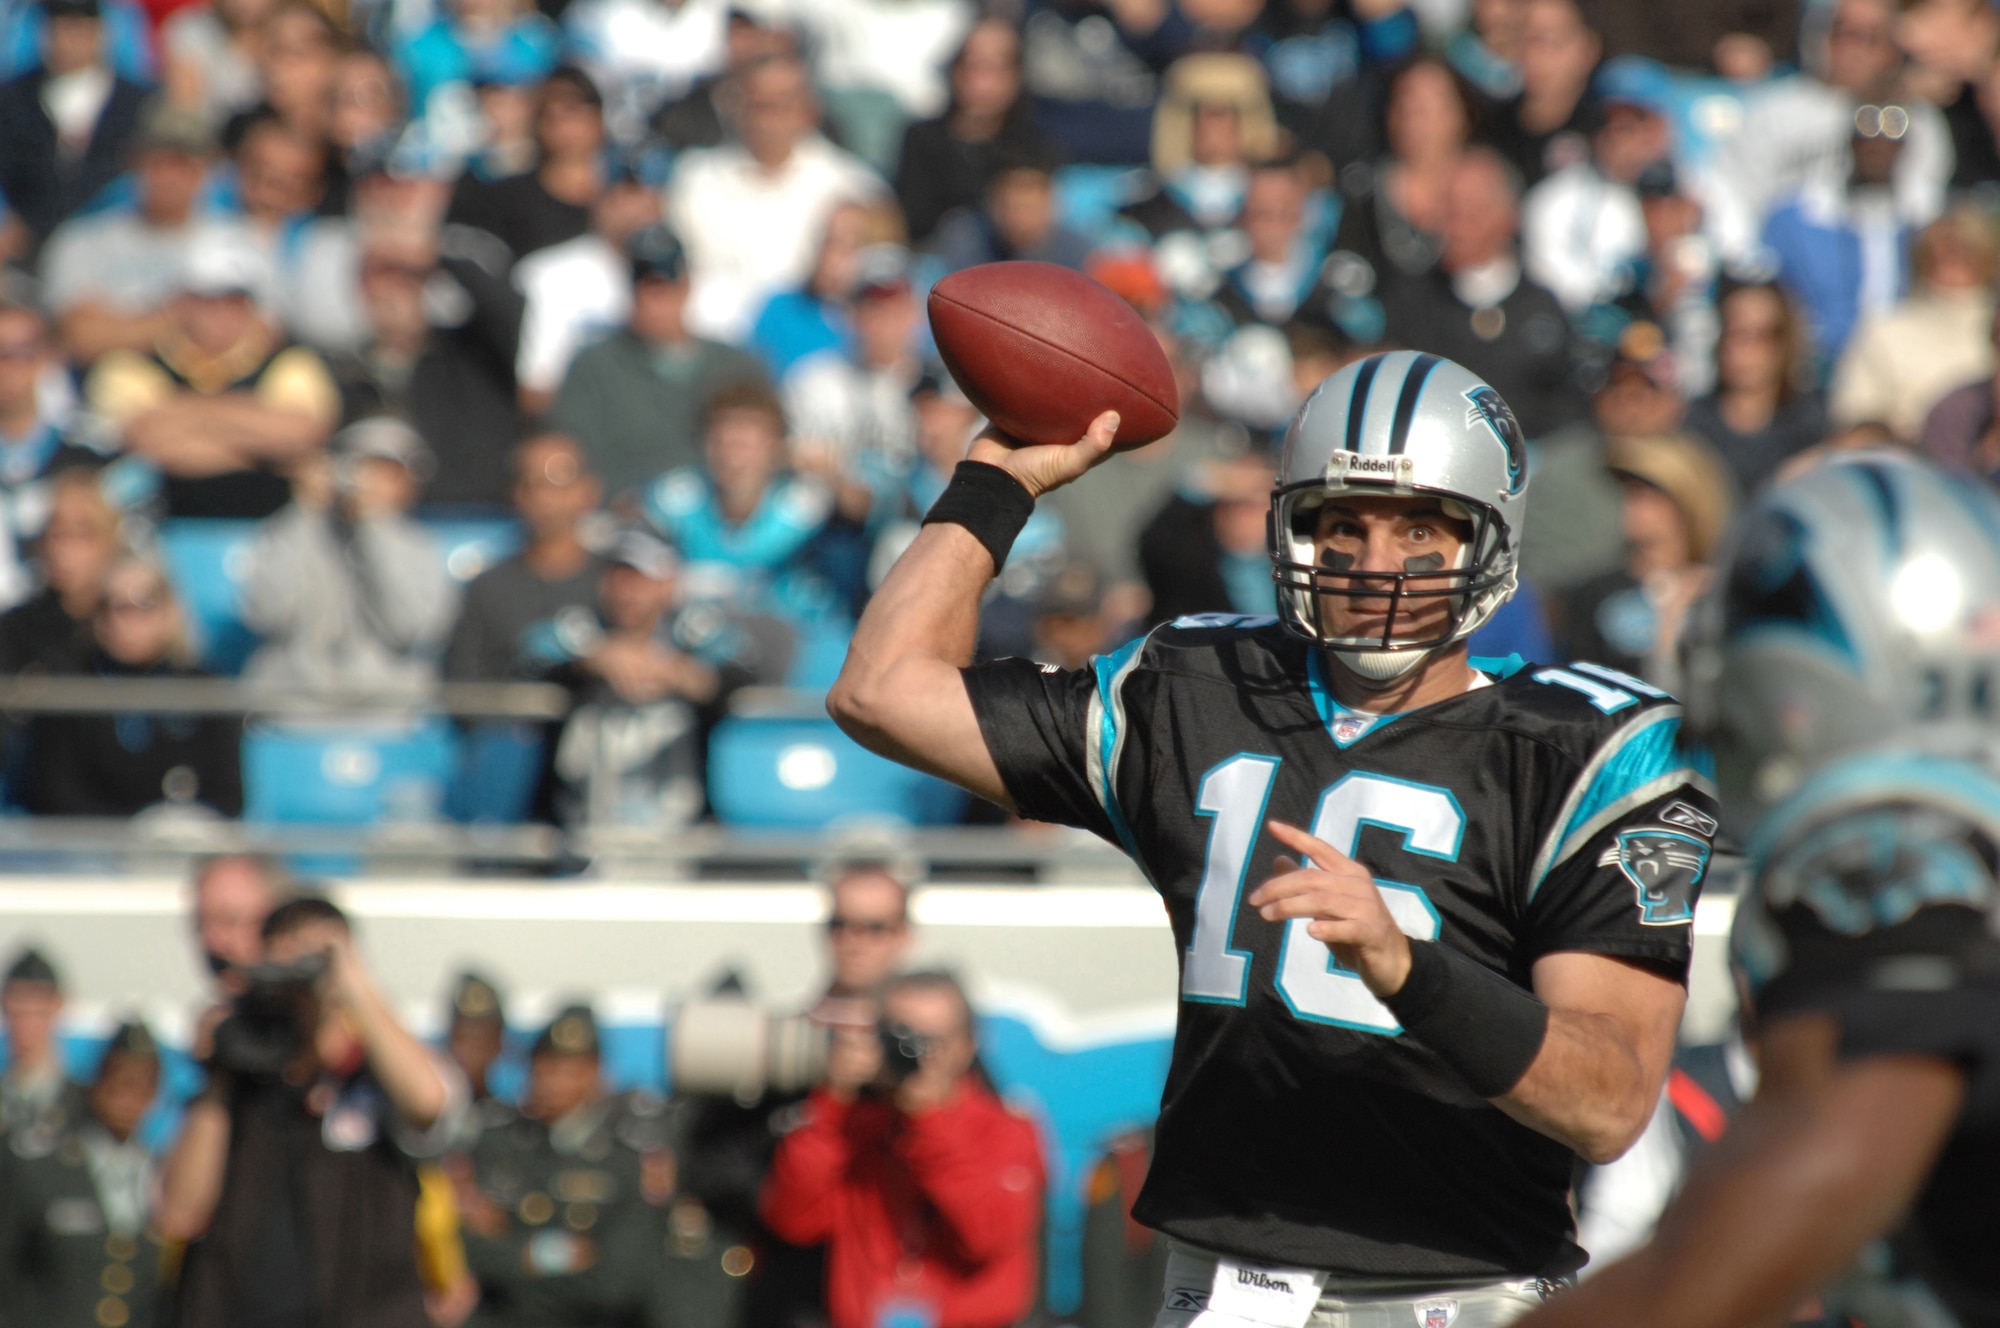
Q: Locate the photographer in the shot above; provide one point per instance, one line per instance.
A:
(349, 591)
(294, 1176)
(925, 1189)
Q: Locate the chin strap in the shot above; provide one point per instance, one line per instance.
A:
(1377, 669)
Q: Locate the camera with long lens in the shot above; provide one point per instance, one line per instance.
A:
(270, 1022)
(726, 1048)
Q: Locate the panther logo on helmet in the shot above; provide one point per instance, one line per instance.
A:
(1488, 405)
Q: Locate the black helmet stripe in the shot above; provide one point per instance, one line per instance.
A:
(1406, 401)
(1357, 405)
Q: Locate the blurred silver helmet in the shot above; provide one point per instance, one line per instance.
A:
(1855, 604)
(1400, 424)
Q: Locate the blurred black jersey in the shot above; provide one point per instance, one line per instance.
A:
(1546, 810)
(1873, 900)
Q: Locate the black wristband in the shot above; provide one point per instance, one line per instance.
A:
(987, 501)
(1478, 1023)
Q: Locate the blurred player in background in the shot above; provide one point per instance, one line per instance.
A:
(1844, 673)
(1377, 1084)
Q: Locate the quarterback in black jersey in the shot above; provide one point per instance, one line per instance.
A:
(1843, 674)
(1433, 914)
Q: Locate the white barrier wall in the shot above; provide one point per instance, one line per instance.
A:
(1076, 958)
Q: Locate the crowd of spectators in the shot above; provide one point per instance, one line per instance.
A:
(334, 1168)
(646, 278)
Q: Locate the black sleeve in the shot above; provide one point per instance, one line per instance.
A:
(1630, 889)
(1038, 725)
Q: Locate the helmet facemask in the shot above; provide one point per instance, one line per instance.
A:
(1481, 578)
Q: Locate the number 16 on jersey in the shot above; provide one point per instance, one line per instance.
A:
(1313, 985)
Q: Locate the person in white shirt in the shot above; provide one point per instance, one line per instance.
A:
(578, 291)
(751, 212)
(1795, 133)
(645, 53)
(1582, 229)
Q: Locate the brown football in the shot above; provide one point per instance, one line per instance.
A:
(1042, 350)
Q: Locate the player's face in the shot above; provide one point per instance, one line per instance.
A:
(1360, 535)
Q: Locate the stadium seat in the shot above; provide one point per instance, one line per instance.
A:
(207, 559)
(354, 776)
(802, 774)
(471, 544)
(817, 654)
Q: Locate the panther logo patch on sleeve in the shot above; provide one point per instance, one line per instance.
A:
(1664, 867)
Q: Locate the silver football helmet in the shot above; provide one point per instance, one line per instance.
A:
(1855, 604)
(1405, 424)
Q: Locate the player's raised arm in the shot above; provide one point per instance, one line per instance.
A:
(899, 692)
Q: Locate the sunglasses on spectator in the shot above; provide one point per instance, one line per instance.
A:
(133, 604)
(863, 926)
(1890, 122)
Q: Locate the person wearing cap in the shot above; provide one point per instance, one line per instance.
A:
(1582, 231)
(345, 588)
(752, 211)
(76, 1247)
(476, 1034)
(652, 674)
(850, 409)
(65, 127)
(1214, 120)
(1674, 504)
(579, 290)
(222, 407)
(298, 1187)
(635, 399)
(109, 276)
(1797, 132)
(565, 1205)
(36, 1092)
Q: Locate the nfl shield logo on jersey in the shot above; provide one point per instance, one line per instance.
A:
(1436, 1313)
(1664, 867)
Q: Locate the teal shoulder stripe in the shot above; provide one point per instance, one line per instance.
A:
(1108, 712)
(1640, 762)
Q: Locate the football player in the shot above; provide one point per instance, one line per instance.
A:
(1847, 672)
(1432, 913)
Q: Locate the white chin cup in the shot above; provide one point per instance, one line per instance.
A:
(1381, 666)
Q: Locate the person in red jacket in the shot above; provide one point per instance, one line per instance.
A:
(925, 1188)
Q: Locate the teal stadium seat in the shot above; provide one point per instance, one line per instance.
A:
(804, 774)
(207, 559)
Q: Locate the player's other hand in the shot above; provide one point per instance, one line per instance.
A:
(1041, 468)
(1344, 904)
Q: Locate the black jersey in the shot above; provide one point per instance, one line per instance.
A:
(1872, 899)
(1546, 812)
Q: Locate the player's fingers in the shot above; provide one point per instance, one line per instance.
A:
(1324, 855)
(1319, 903)
(1341, 931)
